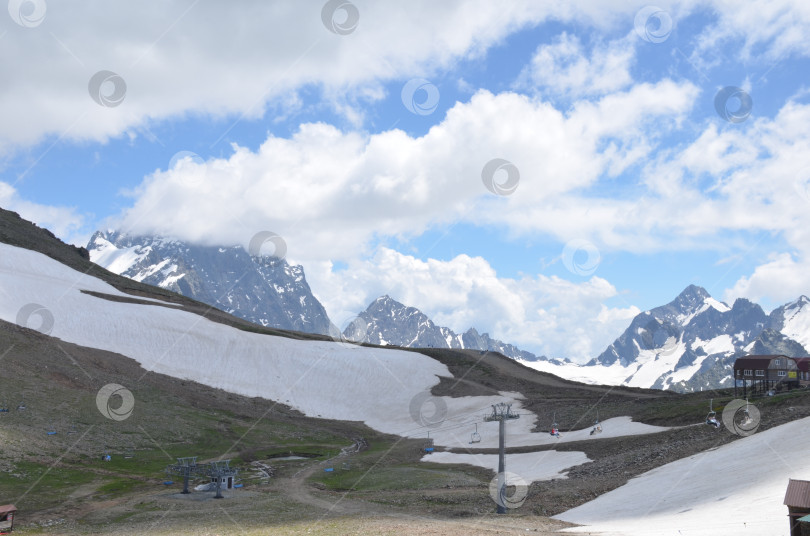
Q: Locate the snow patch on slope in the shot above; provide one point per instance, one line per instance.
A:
(714, 492)
(797, 322)
(530, 466)
(319, 378)
(708, 303)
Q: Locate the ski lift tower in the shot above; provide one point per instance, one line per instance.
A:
(222, 471)
(185, 467)
(501, 412)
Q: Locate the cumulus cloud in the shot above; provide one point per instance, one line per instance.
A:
(745, 190)
(771, 29)
(543, 314)
(564, 67)
(781, 279)
(179, 58)
(330, 192)
(64, 222)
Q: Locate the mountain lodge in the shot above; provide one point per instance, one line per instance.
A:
(766, 372)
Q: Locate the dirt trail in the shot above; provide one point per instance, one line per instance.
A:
(298, 488)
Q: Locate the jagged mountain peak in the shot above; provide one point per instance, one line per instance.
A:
(693, 292)
(389, 322)
(799, 303)
(262, 289)
(694, 299)
(772, 342)
(387, 301)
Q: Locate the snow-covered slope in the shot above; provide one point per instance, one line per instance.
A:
(793, 320)
(264, 290)
(724, 491)
(529, 466)
(319, 378)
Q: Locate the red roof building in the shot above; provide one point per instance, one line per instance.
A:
(765, 373)
(7, 512)
(804, 368)
(797, 499)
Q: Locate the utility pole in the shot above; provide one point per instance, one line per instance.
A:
(501, 413)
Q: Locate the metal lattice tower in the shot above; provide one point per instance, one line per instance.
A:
(501, 412)
(219, 470)
(185, 467)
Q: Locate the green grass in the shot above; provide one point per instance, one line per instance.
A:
(397, 478)
(119, 486)
(41, 485)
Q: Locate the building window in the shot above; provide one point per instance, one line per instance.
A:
(747, 372)
(760, 373)
(778, 362)
(782, 373)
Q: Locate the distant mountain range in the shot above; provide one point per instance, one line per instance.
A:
(389, 322)
(690, 344)
(686, 345)
(261, 289)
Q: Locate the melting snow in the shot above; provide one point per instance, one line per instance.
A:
(319, 378)
(530, 466)
(711, 493)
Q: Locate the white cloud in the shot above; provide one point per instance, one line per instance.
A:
(542, 314)
(781, 279)
(64, 222)
(180, 58)
(773, 29)
(564, 67)
(329, 192)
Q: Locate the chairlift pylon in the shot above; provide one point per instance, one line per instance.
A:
(475, 437)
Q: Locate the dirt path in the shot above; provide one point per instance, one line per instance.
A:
(300, 490)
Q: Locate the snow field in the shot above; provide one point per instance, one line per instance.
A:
(736, 489)
(530, 466)
(319, 378)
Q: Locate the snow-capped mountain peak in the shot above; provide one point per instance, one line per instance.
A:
(265, 290)
(793, 320)
(389, 322)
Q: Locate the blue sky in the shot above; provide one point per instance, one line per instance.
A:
(607, 110)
